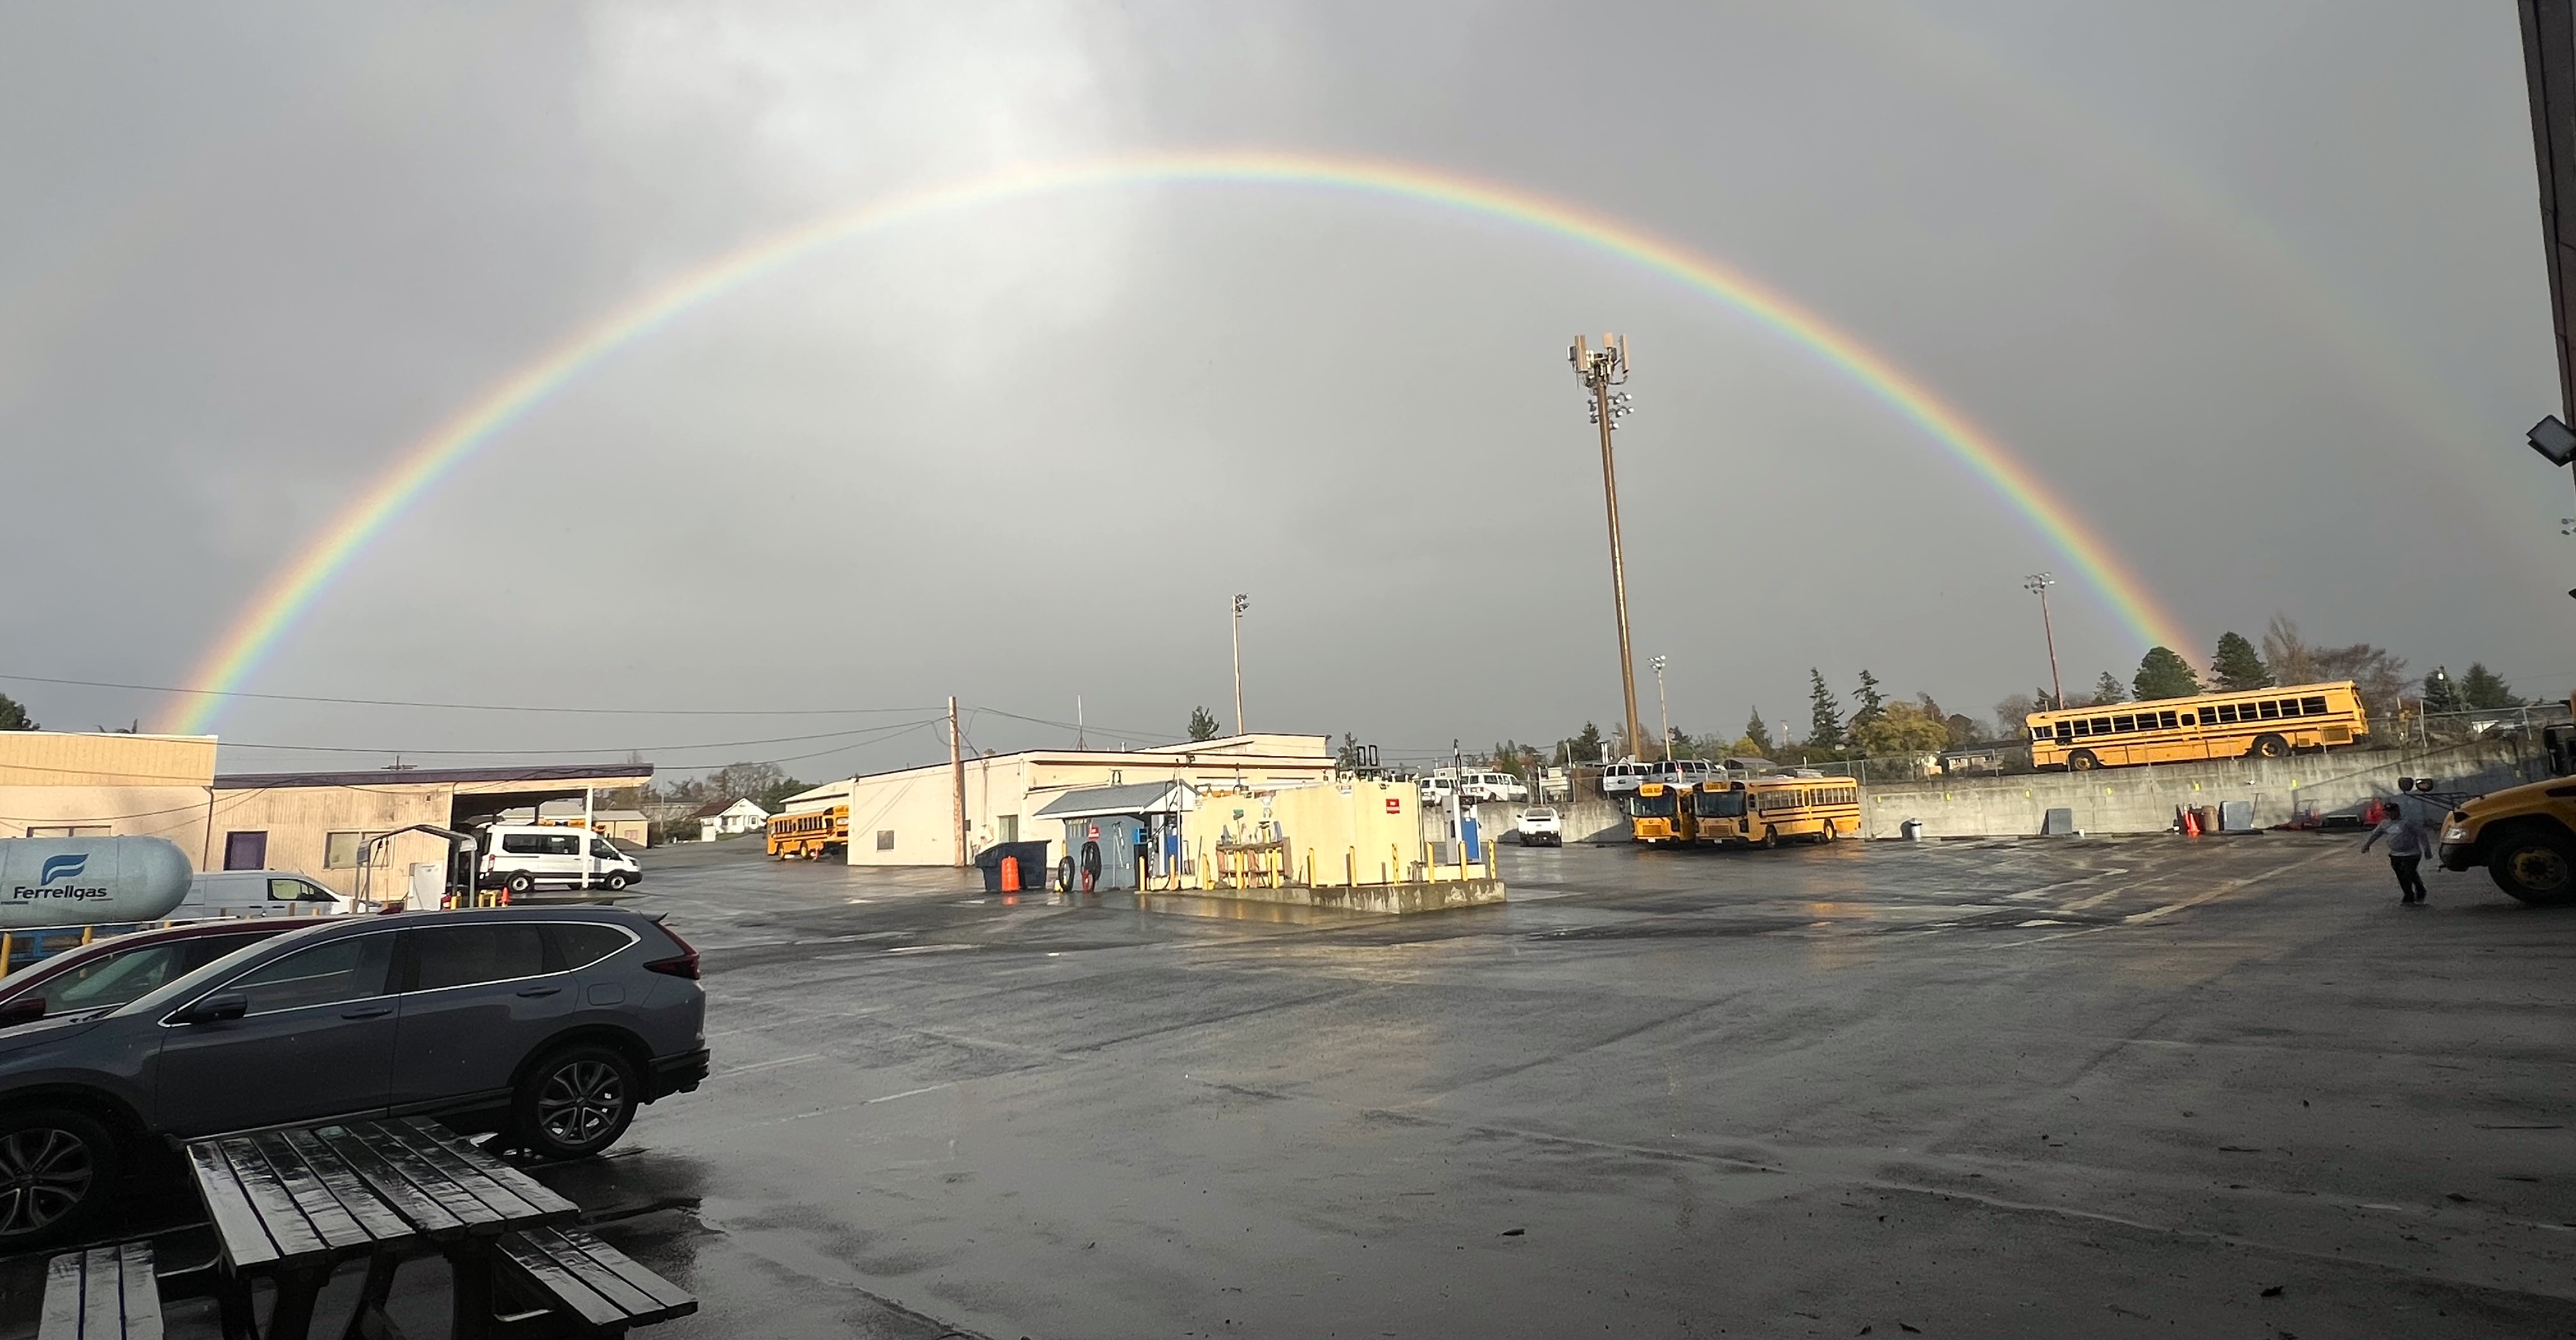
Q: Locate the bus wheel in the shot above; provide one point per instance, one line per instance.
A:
(2082, 760)
(2271, 746)
(1769, 840)
(1829, 833)
(2534, 865)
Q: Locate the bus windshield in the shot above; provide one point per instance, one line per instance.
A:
(1719, 804)
(1643, 806)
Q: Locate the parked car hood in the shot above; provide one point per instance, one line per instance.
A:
(50, 1029)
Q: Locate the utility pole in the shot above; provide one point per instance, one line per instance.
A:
(1663, 710)
(957, 774)
(1600, 370)
(2037, 584)
(1241, 603)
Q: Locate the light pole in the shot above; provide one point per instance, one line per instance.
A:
(1241, 603)
(1600, 370)
(2037, 584)
(1663, 711)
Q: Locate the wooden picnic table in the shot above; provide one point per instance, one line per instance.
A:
(292, 1205)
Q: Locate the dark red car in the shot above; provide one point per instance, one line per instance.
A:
(106, 973)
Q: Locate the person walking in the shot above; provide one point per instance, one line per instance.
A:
(2406, 846)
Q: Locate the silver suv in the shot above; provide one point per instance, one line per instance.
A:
(550, 1026)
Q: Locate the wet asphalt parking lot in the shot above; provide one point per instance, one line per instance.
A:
(2101, 1087)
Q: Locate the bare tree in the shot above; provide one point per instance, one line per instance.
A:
(2287, 655)
(2379, 676)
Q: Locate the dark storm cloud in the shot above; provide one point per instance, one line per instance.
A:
(2257, 291)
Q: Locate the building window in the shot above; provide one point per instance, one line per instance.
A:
(1007, 827)
(246, 851)
(346, 851)
(885, 839)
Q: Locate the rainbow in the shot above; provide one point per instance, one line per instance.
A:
(294, 588)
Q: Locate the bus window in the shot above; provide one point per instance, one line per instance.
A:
(2165, 719)
(2271, 709)
(2101, 725)
(2040, 733)
(2082, 729)
(2315, 707)
(2122, 725)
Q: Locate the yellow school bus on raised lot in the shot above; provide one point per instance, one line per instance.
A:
(2260, 723)
(811, 834)
(1659, 813)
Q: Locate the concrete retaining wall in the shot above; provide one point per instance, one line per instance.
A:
(1593, 820)
(2143, 800)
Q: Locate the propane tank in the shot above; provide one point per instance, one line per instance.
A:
(89, 881)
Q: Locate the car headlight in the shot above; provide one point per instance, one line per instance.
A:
(2455, 835)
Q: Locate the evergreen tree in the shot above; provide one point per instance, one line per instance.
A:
(2107, 691)
(13, 716)
(1202, 725)
(2440, 694)
(2044, 701)
(1871, 706)
(1584, 749)
(1758, 735)
(1825, 713)
(2162, 674)
(2237, 666)
(2486, 690)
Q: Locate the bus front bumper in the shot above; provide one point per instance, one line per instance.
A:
(2461, 856)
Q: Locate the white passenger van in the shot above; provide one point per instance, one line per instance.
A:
(257, 893)
(526, 857)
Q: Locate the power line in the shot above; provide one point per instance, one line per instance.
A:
(897, 728)
(474, 707)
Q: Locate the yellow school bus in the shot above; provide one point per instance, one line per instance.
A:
(2259, 723)
(1718, 814)
(811, 834)
(1800, 809)
(1660, 813)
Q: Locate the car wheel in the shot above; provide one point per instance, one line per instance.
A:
(57, 1172)
(2534, 865)
(575, 1102)
(521, 884)
(617, 881)
(2083, 760)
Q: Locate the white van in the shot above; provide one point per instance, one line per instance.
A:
(1501, 786)
(525, 857)
(257, 893)
(1685, 771)
(1623, 779)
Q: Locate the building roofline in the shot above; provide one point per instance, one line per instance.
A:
(533, 772)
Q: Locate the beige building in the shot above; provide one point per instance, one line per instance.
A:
(316, 824)
(909, 817)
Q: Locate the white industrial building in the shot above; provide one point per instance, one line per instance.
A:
(910, 817)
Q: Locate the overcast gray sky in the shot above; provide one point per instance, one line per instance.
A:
(2256, 287)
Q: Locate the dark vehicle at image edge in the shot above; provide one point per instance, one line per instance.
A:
(549, 1026)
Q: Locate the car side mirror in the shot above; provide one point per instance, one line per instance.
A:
(219, 1007)
(23, 1010)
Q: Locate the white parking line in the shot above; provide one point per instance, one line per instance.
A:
(771, 1065)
